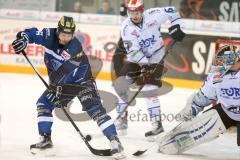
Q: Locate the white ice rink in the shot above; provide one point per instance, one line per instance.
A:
(19, 93)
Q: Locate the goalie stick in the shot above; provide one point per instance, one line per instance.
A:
(105, 152)
(172, 42)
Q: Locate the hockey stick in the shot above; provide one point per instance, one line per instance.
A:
(105, 152)
(172, 42)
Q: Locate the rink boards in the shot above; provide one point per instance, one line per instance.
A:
(187, 65)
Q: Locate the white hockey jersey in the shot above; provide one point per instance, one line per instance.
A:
(226, 91)
(144, 43)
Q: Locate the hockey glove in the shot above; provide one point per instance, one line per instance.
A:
(20, 43)
(151, 74)
(147, 74)
(144, 78)
(58, 100)
(176, 33)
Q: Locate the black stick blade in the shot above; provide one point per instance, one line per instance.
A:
(139, 153)
(106, 152)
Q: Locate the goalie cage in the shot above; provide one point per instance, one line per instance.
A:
(219, 43)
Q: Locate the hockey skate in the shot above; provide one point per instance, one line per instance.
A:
(122, 125)
(157, 129)
(44, 144)
(116, 148)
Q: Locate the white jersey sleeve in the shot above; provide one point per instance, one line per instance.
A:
(165, 14)
(206, 95)
(208, 89)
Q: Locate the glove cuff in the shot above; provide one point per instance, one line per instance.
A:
(23, 35)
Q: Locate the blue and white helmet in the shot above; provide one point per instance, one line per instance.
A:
(225, 58)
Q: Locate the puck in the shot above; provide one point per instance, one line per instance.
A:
(88, 137)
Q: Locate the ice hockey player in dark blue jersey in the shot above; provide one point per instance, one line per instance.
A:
(70, 76)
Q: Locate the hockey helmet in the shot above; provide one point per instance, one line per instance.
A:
(135, 5)
(66, 25)
(225, 58)
(135, 10)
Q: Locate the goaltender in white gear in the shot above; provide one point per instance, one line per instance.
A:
(222, 85)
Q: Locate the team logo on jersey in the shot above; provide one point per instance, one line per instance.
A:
(144, 43)
(65, 55)
(231, 92)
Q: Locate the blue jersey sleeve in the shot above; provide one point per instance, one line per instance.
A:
(37, 36)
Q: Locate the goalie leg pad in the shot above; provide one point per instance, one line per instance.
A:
(186, 135)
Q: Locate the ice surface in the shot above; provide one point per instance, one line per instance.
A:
(19, 93)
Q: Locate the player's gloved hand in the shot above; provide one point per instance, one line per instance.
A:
(20, 43)
(53, 97)
(176, 33)
(57, 99)
(190, 110)
(145, 75)
(143, 78)
(151, 74)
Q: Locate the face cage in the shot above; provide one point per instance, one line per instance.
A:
(132, 14)
(223, 63)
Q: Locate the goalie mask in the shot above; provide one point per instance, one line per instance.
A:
(225, 58)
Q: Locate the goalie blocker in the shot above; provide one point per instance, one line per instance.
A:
(203, 128)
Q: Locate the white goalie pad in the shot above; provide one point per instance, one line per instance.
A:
(186, 135)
